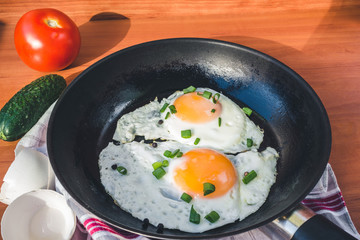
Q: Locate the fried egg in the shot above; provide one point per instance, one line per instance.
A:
(127, 173)
(215, 122)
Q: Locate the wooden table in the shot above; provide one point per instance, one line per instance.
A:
(318, 39)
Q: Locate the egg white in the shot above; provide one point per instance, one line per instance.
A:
(230, 137)
(141, 194)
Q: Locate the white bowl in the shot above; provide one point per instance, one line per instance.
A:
(38, 215)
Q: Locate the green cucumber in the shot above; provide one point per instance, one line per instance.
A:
(26, 107)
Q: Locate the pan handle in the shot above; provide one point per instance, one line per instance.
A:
(304, 224)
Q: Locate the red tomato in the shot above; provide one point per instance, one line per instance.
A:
(47, 39)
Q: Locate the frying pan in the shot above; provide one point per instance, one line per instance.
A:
(293, 117)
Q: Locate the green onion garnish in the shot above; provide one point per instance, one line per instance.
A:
(186, 197)
(174, 153)
(121, 170)
(249, 142)
(159, 172)
(212, 216)
(172, 109)
(179, 154)
(212, 110)
(206, 94)
(165, 163)
(167, 153)
(167, 115)
(164, 107)
(247, 111)
(216, 97)
(156, 165)
(186, 133)
(249, 177)
(208, 188)
(197, 140)
(194, 216)
(189, 89)
(219, 121)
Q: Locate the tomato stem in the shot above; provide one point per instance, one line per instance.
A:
(52, 23)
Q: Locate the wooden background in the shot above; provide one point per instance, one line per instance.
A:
(318, 39)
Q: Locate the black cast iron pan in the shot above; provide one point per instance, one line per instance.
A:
(293, 117)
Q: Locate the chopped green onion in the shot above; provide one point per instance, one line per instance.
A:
(212, 216)
(219, 122)
(189, 89)
(174, 153)
(186, 133)
(216, 97)
(206, 94)
(179, 154)
(167, 115)
(199, 93)
(249, 177)
(208, 188)
(249, 142)
(172, 109)
(164, 107)
(194, 216)
(247, 111)
(197, 140)
(156, 165)
(165, 163)
(121, 170)
(159, 172)
(167, 153)
(213, 110)
(186, 197)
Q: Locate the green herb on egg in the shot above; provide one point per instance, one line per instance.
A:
(165, 163)
(186, 197)
(212, 216)
(172, 109)
(189, 89)
(249, 142)
(186, 133)
(206, 94)
(208, 188)
(121, 170)
(167, 115)
(156, 165)
(159, 172)
(216, 98)
(194, 216)
(247, 111)
(164, 107)
(249, 177)
(173, 154)
(167, 153)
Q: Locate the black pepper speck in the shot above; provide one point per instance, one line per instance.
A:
(145, 223)
(160, 228)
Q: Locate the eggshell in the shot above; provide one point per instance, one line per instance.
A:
(29, 171)
(38, 215)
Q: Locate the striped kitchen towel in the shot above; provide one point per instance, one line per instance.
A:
(325, 199)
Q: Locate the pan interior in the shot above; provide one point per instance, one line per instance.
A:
(84, 120)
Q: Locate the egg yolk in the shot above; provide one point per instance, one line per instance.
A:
(194, 108)
(205, 166)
